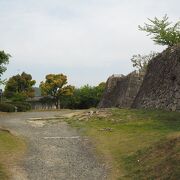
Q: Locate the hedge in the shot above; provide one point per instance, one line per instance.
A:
(5, 107)
(21, 106)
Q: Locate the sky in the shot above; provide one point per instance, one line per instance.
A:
(87, 40)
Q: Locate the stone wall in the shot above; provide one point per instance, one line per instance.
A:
(121, 90)
(161, 86)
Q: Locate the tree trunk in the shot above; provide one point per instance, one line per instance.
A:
(57, 103)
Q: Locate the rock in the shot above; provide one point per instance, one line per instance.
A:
(106, 129)
(121, 90)
(91, 113)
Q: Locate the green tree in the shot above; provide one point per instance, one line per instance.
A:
(100, 90)
(140, 62)
(84, 97)
(56, 86)
(19, 87)
(4, 60)
(163, 32)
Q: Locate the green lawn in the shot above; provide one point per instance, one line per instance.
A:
(11, 148)
(142, 144)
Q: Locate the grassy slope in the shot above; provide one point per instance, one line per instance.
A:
(142, 145)
(11, 148)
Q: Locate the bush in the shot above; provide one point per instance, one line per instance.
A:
(28, 105)
(4, 107)
(21, 106)
(84, 97)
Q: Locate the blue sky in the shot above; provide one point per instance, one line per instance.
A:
(88, 40)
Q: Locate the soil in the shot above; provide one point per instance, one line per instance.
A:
(55, 151)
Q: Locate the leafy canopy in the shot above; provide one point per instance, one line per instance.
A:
(84, 97)
(163, 32)
(19, 87)
(56, 86)
(4, 60)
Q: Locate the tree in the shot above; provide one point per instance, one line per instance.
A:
(4, 60)
(100, 90)
(19, 87)
(84, 97)
(162, 31)
(140, 62)
(55, 86)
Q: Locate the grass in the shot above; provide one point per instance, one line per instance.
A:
(11, 148)
(142, 145)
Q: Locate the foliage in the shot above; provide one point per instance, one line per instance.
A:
(11, 107)
(22, 106)
(47, 101)
(140, 62)
(84, 97)
(19, 87)
(17, 97)
(163, 33)
(4, 107)
(4, 60)
(100, 90)
(55, 86)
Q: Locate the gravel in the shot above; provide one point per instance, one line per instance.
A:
(55, 150)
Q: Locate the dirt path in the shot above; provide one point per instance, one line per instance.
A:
(55, 150)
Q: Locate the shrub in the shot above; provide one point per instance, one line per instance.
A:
(4, 107)
(21, 106)
(84, 97)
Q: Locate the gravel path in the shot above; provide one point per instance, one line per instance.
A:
(55, 150)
